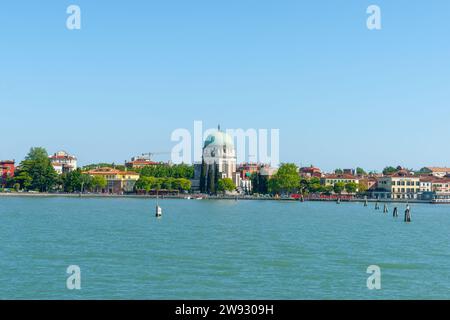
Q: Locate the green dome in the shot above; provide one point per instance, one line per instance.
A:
(219, 139)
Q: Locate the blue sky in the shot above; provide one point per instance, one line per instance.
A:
(341, 95)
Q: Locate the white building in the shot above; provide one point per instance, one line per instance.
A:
(219, 150)
(63, 162)
(439, 172)
(218, 160)
(426, 184)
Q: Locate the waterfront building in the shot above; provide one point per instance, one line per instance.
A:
(266, 170)
(63, 162)
(332, 179)
(350, 172)
(439, 172)
(441, 185)
(400, 185)
(7, 169)
(370, 183)
(118, 182)
(309, 172)
(218, 161)
(247, 169)
(426, 183)
(245, 186)
(439, 191)
(139, 162)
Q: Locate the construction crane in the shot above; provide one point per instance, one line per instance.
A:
(149, 155)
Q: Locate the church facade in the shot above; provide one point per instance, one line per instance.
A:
(218, 162)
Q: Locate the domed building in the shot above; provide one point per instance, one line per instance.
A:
(219, 149)
(218, 161)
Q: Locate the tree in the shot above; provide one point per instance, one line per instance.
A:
(362, 187)
(86, 182)
(351, 187)
(167, 171)
(99, 183)
(167, 183)
(360, 171)
(203, 177)
(184, 184)
(225, 184)
(210, 182)
(74, 181)
(22, 180)
(38, 167)
(152, 183)
(339, 187)
(217, 177)
(260, 183)
(286, 179)
(103, 165)
(157, 184)
(338, 171)
(315, 187)
(327, 189)
(304, 185)
(389, 170)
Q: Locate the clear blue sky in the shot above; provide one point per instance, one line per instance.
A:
(340, 94)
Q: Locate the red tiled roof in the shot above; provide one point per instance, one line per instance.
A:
(143, 162)
(438, 169)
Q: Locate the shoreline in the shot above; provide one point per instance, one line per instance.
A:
(203, 197)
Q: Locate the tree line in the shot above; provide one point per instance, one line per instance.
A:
(156, 183)
(36, 173)
(287, 180)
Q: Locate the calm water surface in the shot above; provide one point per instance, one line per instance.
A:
(220, 250)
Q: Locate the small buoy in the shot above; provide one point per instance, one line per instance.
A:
(158, 211)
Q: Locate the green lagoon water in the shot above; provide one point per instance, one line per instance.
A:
(220, 250)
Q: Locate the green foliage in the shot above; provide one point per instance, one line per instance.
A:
(351, 187)
(76, 181)
(362, 187)
(338, 171)
(36, 172)
(360, 171)
(260, 183)
(339, 187)
(103, 165)
(203, 177)
(22, 180)
(210, 181)
(225, 184)
(98, 183)
(167, 171)
(389, 170)
(153, 183)
(327, 189)
(286, 180)
(184, 184)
